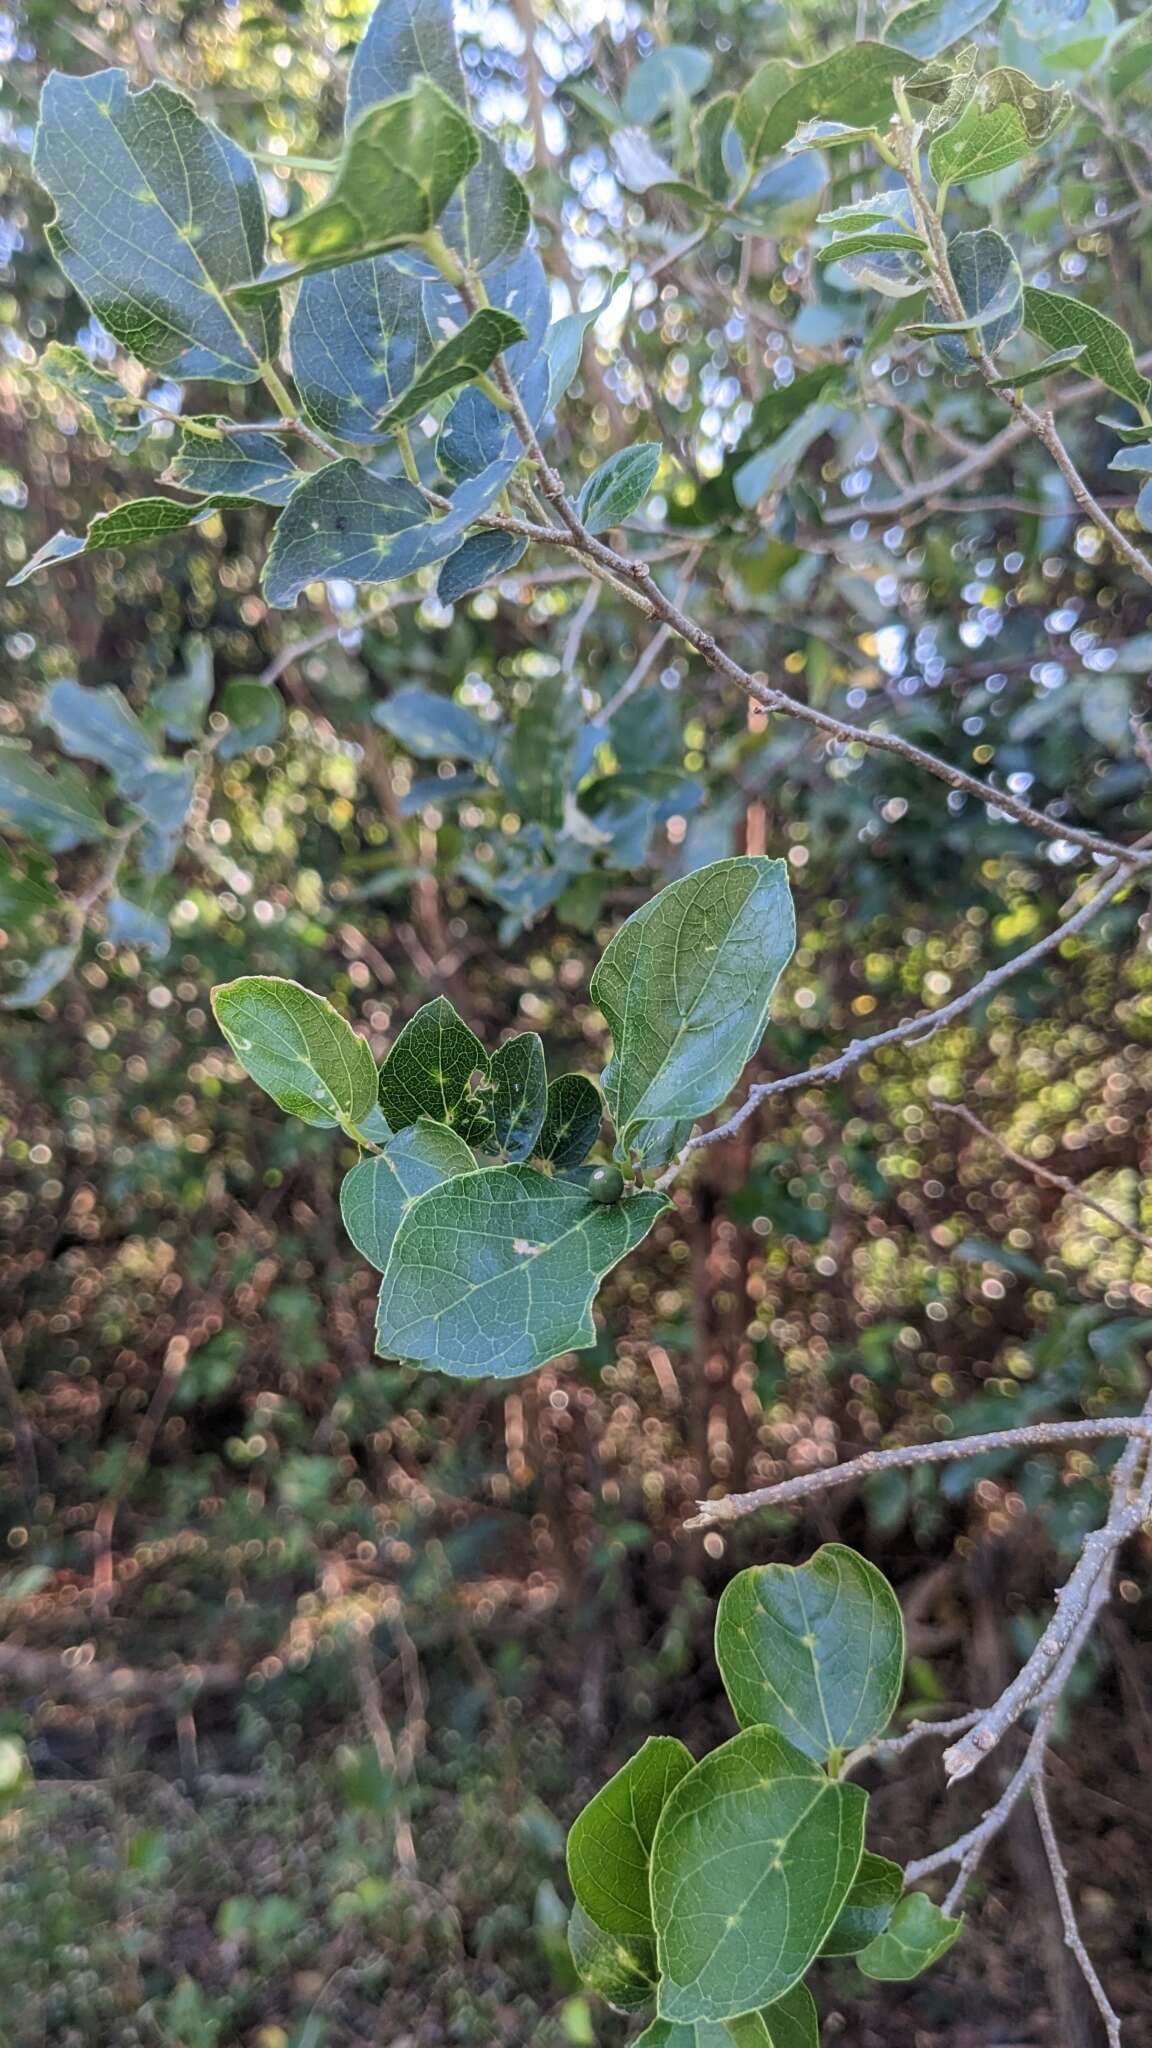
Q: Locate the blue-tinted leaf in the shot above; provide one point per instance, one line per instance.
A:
(182, 700)
(376, 1193)
(345, 522)
(483, 558)
(40, 977)
(158, 216)
(113, 411)
(572, 1120)
(234, 465)
(929, 26)
(668, 77)
(434, 727)
(130, 924)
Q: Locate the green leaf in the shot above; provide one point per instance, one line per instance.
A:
(400, 165)
(54, 807)
(872, 212)
(867, 1910)
(1061, 359)
(572, 1121)
(496, 1272)
(990, 285)
(790, 2022)
(483, 558)
(610, 1842)
(428, 1072)
(486, 222)
(358, 336)
(868, 239)
(1006, 119)
(435, 728)
(183, 698)
(664, 80)
(619, 485)
(1062, 322)
(621, 1971)
(772, 467)
(233, 466)
(815, 1650)
(465, 356)
(158, 216)
(537, 756)
(686, 985)
(754, 1855)
(377, 1191)
(565, 341)
(296, 1047)
(126, 526)
(343, 521)
(520, 1094)
(112, 410)
(929, 26)
(852, 85)
(917, 1935)
(712, 172)
(255, 714)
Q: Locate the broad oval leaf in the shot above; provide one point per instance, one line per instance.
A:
(401, 164)
(52, 805)
(158, 217)
(234, 466)
(299, 1049)
(618, 486)
(623, 1972)
(917, 1935)
(869, 1907)
(572, 1119)
(519, 1094)
(686, 984)
(991, 288)
(375, 1194)
(433, 727)
(754, 1856)
(1005, 120)
(815, 1650)
(854, 84)
(359, 335)
(428, 1073)
(667, 78)
(343, 521)
(1063, 322)
(610, 1842)
(486, 222)
(483, 558)
(496, 1273)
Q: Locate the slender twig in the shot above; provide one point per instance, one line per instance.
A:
(1037, 1436)
(916, 1029)
(1043, 1173)
(1072, 1936)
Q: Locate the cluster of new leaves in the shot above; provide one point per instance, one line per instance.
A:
(474, 1200)
(712, 1887)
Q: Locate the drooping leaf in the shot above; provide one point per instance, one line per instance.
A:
(565, 340)
(929, 26)
(377, 1191)
(572, 1121)
(466, 355)
(869, 1907)
(99, 725)
(428, 1073)
(343, 521)
(1005, 120)
(1063, 322)
(990, 286)
(482, 559)
(610, 1842)
(126, 526)
(866, 240)
(433, 727)
(496, 1273)
(96, 392)
(815, 1650)
(853, 84)
(53, 806)
(754, 1855)
(686, 985)
(619, 485)
(299, 1049)
(234, 465)
(1060, 359)
(623, 1972)
(400, 165)
(133, 924)
(487, 220)
(712, 172)
(520, 1094)
(917, 1935)
(158, 216)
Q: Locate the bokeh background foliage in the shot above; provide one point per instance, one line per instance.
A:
(313, 1658)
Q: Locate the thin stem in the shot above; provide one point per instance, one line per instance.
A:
(1043, 1173)
(1072, 1936)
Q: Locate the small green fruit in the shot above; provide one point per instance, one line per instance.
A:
(604, 1184)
